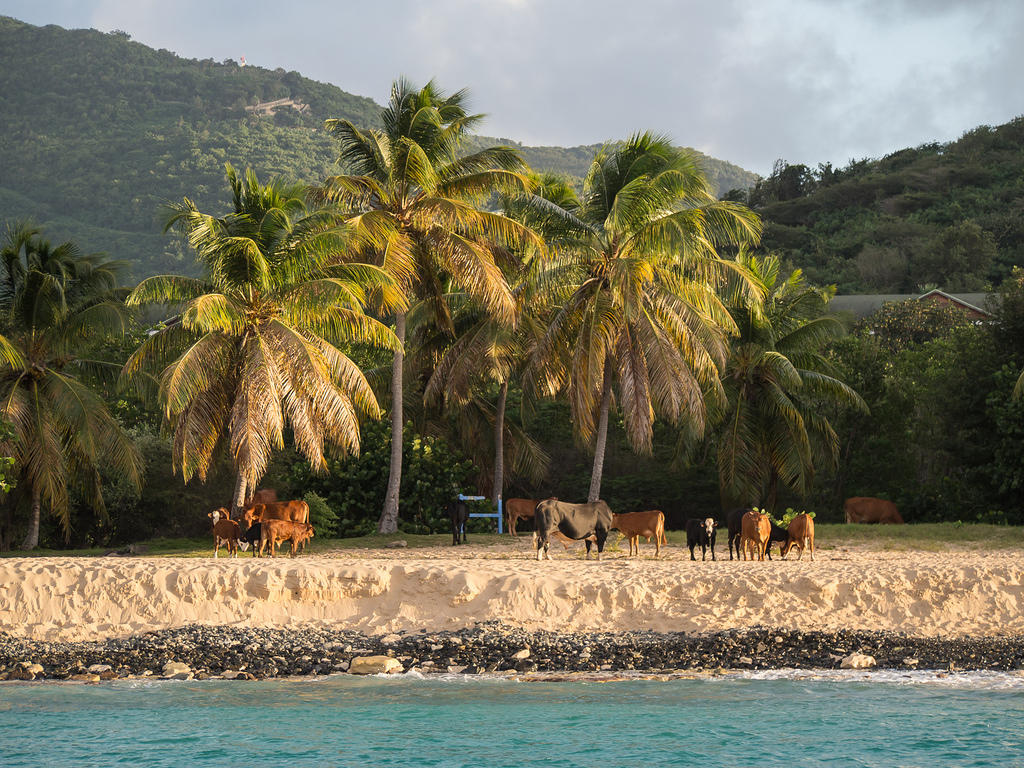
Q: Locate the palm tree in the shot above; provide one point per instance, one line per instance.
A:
(55, 303)
(636, 288)
(778, 385)
(415, 205)
(488, 352)
(256, 344)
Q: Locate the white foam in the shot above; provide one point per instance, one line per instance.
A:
(980, 679)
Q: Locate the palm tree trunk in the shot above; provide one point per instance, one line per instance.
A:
(602, 432)
(239, 497)
(389, 516)
(499, 443)
(32, 539)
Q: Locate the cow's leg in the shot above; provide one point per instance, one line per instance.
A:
(602, 536)
(810, 545)
(703, 552)
(712, 550)
(588, 543)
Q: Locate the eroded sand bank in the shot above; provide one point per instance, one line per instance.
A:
(954, 593)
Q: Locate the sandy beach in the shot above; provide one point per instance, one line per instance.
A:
(957, 593)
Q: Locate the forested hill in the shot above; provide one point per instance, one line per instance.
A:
(940, 215)
(96, 131)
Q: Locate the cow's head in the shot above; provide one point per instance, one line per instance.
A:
(709, 526)
(251, 513)
(218, 514)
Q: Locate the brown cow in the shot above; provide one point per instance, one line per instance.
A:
(296, 511)
(225, 532)
(865, 509)
(799, 534)
(519, 509)
(648, 524)
(274, 532)
(756, 528)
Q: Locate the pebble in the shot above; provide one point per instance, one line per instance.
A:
(489, 647)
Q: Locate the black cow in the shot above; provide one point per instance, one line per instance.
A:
(701, 533)
(734, 520)
(575, 521)
(252, 536)
(779, 535)
(458, 511)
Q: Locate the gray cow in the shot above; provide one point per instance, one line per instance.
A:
(590, 521)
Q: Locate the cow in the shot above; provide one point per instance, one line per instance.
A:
(633, 525)
(801, 535)
(458, 513)
(274, 532)
(734, 521)
(519, 509)
(252, 537)
(865, 509)
(293, 511)
(225, 532)
(778, 534)
(755, 530)
(701, 533)
(576, 521)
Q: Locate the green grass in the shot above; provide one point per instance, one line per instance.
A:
(928, 537)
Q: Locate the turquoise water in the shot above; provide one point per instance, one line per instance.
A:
(767, 720)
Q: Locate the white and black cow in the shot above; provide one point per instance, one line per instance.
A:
(590, 522)
(701, 533)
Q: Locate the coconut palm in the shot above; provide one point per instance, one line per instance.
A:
(778, 385)
(416, 212)
(55, 303)
(256, 345)
(488, 352)
(639, 317)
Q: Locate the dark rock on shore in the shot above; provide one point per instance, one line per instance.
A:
(253, 653)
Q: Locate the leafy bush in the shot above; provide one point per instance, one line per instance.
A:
(323, 518)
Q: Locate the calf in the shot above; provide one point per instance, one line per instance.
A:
(800, 534)
(701, 533)
(274, 532)
(576, 521)
(648, 524)
(458, 512)
(252, 537)
(519, 509)
(777, 535)
(755, 530)
(225, 532)
(734, 521)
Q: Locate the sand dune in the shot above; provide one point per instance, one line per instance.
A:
(926, 594)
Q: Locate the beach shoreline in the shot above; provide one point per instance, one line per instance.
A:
(960, 607)
(204, 652)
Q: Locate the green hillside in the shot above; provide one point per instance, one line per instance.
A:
(944, 215)
(97, 131)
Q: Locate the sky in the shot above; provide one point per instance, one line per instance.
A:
(748, 81)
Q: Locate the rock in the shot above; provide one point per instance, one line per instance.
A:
(391, 639)
(858, 661)
(85, 677)
(172, 668)
(230, 674)
(341, 666)
(181, 676)
(374, 665)
(911, 662)
(523, 654)
(397, 544)
(745, 660)
(98, 669)
(21, 673)
(137, 549)
(32, 667)
(456, 669)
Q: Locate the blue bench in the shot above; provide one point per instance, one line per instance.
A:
(497, 514)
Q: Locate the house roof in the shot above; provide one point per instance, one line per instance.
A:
(862, 305)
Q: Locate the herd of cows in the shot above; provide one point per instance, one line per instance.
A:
(269, 523)
(751, 531)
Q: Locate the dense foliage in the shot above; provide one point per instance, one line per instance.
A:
(947, 215)
(98, 131)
